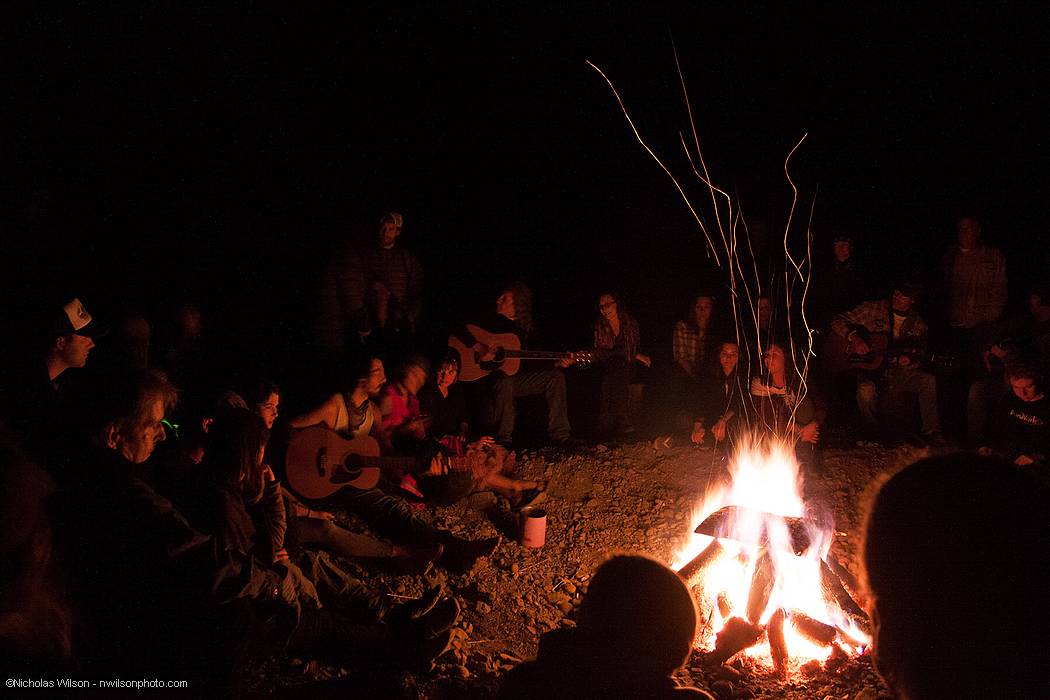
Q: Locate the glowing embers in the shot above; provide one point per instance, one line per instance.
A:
(759, 566)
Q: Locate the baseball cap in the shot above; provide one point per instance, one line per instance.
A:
(74, 318)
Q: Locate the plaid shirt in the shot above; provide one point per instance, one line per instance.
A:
(629, 339)
(877, 317)
(689, 346)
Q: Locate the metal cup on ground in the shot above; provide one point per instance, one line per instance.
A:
(533, 523)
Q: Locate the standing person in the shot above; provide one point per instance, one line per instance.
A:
(32, 397)
(975, 285)
(372, 290)
(841, 282)
(618, 342)
(513, 315)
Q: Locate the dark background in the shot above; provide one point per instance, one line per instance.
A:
(160, 152)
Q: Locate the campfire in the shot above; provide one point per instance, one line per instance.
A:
(760, 567)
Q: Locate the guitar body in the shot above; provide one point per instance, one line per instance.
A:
(470, 365)
(320, 462)
(841, 356)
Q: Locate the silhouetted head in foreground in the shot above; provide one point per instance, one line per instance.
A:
(957, 558)
(640, 615)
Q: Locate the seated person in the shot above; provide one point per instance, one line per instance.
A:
(720, 400)
(316, 528)
(341, 617)
(955, 559)
(1019, 431)
(403, 427)
(443, 401)
(784, 407)
(691, 348)
(636, 626)
(353, 414)
(1024, 337)
(513, 315)
(617, 344)
(477, 466)
(895, 323)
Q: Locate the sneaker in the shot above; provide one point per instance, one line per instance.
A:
(438, 619)
(418, 653)
(415, 609)
(462, 555)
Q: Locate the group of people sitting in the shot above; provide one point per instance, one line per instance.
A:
(128, 511)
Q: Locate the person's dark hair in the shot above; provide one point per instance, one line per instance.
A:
(639, 615)
(236, 441)
(258, 391)
(360, 370)
(451, 357)
(957, 565)
(1024, 369)
(522, 304)
(123, 399)
(690, 312)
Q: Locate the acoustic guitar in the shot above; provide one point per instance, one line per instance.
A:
(841, 354)
(320, 462)
(507, 354)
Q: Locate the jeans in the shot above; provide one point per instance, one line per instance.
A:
(549, 382)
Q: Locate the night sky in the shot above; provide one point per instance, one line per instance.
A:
(159, 152)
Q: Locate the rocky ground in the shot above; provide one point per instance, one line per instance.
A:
(603, 499)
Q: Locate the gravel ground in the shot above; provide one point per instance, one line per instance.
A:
(604, 499)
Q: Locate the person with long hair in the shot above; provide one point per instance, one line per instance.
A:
(513, 315)
(721, 405)
(784, 406)
(340, 616)
(617, 343)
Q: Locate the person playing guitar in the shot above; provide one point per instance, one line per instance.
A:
(514, 316)
(887, 338)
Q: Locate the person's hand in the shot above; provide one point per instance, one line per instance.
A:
(860, 347)
(719, 430)
(984, 451)
(644, 359)
(566, 361)
(483, 441)
(904, 361)
(1024, 461)
(810, 433)
(418, 426)
(698, 433)
(484, 353)
(998, 351)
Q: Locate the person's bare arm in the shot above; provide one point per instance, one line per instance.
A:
(326, 414)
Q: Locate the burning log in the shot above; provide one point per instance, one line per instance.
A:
(720, 524)
(692, 572)
(833, 590)
(761, 587)
(813, 630)
(737, 635)
(777, 644)
(847, 579)
(724, 606)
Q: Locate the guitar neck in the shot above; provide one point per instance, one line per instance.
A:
(535, 354)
